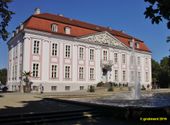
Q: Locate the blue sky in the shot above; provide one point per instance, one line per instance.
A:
(118, 14)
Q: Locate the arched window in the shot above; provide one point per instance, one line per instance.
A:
(54, 27)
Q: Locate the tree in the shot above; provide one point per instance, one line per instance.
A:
(155, 72)
(3, 75)
(164, 76)
(157, 10)
(5, 14)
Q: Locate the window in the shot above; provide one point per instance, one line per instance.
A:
(91, 54)
(131, 59)
(81, 53)
(137, 45)
(131, 43)
(21, 49)
(67, 88)
(53, 88)
(54, 28)
(146, 77)
(54, 71)
(35, 88)
(36, 47)
(138, 60)
(132, 76)
(139, 76)
(123, 58)
(67, 51)
(16, 51)
(115, 58)
(15, 72)
(35, 70)
(67, 72)
(116, 75)
(81, 87)
(67, 30)
(91, 73)
(104, 55)
(54, 49)
(124, 75)
(20, 66)
(81, 73)
(146, 61)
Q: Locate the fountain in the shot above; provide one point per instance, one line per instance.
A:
(136, 85)
(133, 104)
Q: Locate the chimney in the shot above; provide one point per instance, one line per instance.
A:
(61, 15)
(37, 11)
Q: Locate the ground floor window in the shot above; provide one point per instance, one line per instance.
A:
(53, 88)
(67, 72)
(35, 70)
(81, 73)
(81, 87)
(91, 73)
(35, 88)
(67, 88)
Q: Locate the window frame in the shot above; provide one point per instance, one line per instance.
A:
(91, 54)
(92, 73)
(54, 49)
(67, 54)
(67, 72)
(67, 30)
(81, 73)
(36, 71)
(36, 47)
(54, 27)
(54, 71)
(81, 53)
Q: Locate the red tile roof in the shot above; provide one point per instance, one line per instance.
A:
(42, 22)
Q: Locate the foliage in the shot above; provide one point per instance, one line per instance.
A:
(3, 76)
(100, 84)
(161, 72)
(164, 76)
(26, 76)
(157, 10)
(110, 89)
(155, 71)
(143, 87)
(91, 89)
(5, 14)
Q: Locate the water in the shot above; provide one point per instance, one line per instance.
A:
(125, 100)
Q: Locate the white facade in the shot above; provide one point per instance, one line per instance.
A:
(62, 63)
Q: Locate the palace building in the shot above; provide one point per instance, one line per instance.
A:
(65, 54)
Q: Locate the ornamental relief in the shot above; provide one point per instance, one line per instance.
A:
(103, 38)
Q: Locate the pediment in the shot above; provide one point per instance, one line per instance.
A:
(103, 38)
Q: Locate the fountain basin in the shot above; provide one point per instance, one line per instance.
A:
(122, 107)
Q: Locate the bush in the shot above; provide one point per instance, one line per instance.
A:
(91, 89)
(100, 84)
(4, 89)
(148, 86)
(110, 89)
(143, 87)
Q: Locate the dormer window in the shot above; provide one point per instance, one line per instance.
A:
(131, 44)
(67, 30)
(137, 45)
(54, 27)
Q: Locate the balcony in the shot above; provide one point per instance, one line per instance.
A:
(103, 63)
